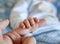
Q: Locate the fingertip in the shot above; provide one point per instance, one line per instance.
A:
(36, 20)
(22, 25)
(4, 24)
(32, 22)
(27, 24)
(42, 20)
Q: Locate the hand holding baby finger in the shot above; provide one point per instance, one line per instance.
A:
(27, 23)
(36, 20)
(32, 22)
(22, 25)
(38, 23)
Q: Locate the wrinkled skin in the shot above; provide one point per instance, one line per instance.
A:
(27, 24)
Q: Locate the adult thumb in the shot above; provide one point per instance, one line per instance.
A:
(4, 24)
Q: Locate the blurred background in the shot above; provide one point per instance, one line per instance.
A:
(7, 5)
(5, 8)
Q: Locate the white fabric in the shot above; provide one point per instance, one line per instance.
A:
(39, 9)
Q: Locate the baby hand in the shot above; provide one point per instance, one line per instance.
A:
(31, 25)
(13, 37)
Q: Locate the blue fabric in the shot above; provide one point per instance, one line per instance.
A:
(49, 37)
(7, 30)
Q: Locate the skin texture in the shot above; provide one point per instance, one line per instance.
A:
(28, 40)
(51, 1)
(3, 25)
(16, 36)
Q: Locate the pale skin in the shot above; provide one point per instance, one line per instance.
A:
(51, 1)
(27, 24)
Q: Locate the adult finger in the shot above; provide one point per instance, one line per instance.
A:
(1, 37)
(4, 24)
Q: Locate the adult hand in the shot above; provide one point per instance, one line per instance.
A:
(3, 25)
